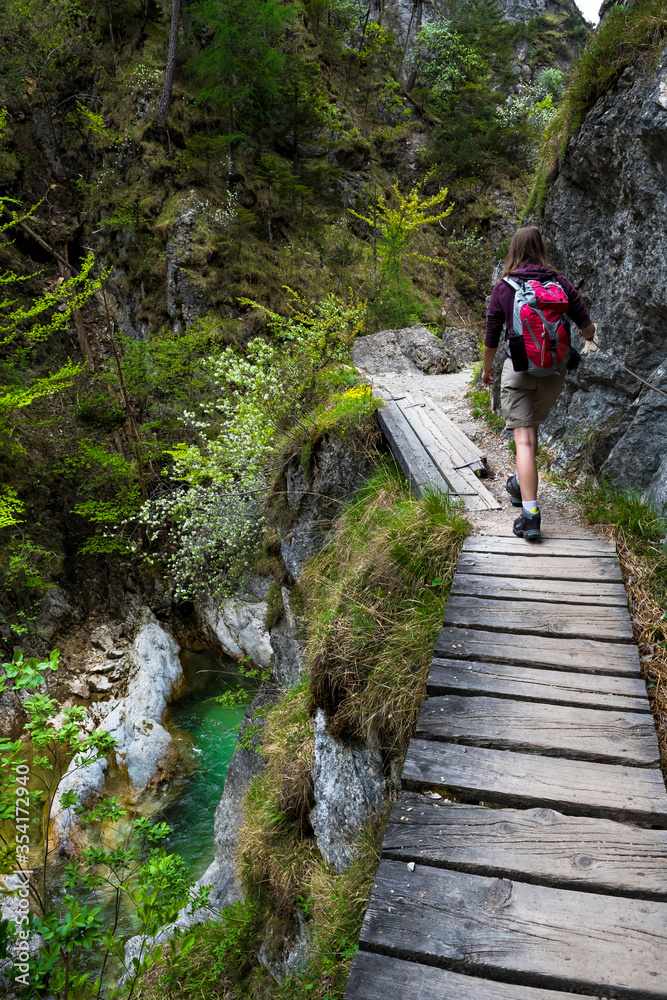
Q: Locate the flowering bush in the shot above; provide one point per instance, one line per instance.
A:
(256, 398)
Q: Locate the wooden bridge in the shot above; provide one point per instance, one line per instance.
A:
(546, 872)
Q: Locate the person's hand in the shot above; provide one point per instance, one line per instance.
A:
(487, 378)
(588, 332)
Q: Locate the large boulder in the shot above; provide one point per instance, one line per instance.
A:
(144, 747)
(414, 349)
(238, 624)
(605, 221)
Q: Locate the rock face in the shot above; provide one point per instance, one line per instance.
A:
(238, 625)
(349, 788)
(605, 221)
(145, 748)
(414, 350)
(336, 473)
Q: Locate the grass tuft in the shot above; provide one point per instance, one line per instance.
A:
(376, 598)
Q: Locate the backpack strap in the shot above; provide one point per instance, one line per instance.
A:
(512, 283)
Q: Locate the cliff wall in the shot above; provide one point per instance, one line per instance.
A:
(605, 220)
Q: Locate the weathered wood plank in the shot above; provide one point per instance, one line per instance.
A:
(578, 549)
(547, 591)
(571, 786)
(449, 448)
(449, 457)
(409, 452)
(376, 977)
(527, 566)
(450, 429)
(532, 845)
(529, 684)
(538, 618)
(586, 655)
(554, 527)
(462, 481)
(462, 448)
(533, 727)
(555, 938)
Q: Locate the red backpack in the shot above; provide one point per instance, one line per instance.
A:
(540, 342)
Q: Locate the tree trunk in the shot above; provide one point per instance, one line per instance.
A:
(413, 76)
(165, 99)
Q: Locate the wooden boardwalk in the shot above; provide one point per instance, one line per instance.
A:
(526, 857)
(432, 450)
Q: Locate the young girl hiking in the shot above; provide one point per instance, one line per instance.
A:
(533, 302)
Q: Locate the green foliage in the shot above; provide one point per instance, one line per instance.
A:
(395, 224)
(241, 66)
(443, 60)
(255, 399)
(39, 40)
(141, 879)
(10, 506)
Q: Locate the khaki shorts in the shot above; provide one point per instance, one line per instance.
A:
(526, 400)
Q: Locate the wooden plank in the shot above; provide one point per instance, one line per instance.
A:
(445, 455)
(375, 977)
(408, 451)
(577, 548)
(585, 655)
(554, 527)
(529, 684)
(532, 845)
(533, 727)
(539, 618)
(635, 794)
(475, 496)
(555, 938)
(545, 567)
(450, 428)
(456, 459)
(550, 591)
(462, 458)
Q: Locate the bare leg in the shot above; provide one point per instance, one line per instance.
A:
(525, 439)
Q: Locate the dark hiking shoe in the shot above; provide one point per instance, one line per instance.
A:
(514, 491)
(528, 526)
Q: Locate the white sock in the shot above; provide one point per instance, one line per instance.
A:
(529, 507)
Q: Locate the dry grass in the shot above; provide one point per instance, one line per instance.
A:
(277, 856)
(376, 598)
(649, 626)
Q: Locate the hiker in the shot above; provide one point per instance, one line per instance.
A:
(531, 301)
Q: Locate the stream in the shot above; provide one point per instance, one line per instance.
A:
(205, 733)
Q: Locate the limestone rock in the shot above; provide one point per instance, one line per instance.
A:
(415, 349)
(605, 220)
(349, 788)
(239, 627)
(144, 748)
(337, 471)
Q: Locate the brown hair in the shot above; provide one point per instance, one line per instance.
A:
(527, 247)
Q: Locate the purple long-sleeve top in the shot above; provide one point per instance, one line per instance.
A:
(501, 306)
